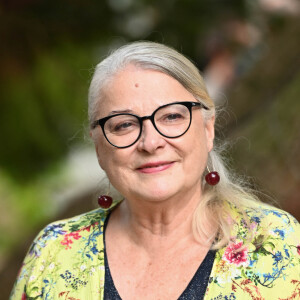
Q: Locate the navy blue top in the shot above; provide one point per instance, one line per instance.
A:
(194, 291)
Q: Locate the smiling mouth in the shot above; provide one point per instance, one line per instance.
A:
(155, 167)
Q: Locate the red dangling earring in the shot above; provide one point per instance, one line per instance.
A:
(105, 201)
(212, 178)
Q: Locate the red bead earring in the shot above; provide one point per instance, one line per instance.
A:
(212, 178)
(105, 201)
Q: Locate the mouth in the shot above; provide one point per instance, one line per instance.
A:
(155, 167)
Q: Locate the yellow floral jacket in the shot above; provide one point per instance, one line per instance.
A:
(66, 260)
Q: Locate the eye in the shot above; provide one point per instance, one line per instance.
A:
(173, 114)
(123, 126)
(120, 125)
(173, 117)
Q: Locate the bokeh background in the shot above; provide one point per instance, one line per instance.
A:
(247, 50)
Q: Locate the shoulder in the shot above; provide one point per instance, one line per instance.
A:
(266, 211)
(274, 222)
(64, 231)
(267, 229)
(262, 256)
(65, 254)
(274, 233)
(265, 219)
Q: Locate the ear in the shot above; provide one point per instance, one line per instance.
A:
(210, 133)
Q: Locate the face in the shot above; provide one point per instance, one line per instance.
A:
(155, 168)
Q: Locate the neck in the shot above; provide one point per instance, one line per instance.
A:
(158, 223)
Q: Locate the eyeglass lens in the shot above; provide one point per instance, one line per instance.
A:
(124, 129)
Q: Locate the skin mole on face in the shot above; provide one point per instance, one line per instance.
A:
(136, 85)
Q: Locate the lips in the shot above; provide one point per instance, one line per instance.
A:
(155, 167)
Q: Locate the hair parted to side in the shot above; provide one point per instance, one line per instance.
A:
(149, 56)
(214, 206)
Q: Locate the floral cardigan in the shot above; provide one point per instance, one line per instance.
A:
(66, 260)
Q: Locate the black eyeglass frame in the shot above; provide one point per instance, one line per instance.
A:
(188, 104)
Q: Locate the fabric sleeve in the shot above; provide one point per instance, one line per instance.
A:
(29, 279)
(65, 260)
(262, 260)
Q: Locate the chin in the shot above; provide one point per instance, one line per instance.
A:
(156, 195)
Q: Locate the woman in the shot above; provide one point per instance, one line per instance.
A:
(186, 228)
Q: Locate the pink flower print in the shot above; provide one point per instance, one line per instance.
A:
(75, 235)
(236, 253)
(24, 297)
(88, 228)
(67, 241)
(298, 249)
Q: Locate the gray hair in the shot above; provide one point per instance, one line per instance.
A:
(214, 206)
(149, 56)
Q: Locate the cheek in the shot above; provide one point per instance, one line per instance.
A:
(101, 161)
(117, 165)
(197, 148)
(103, 154)
(199, 154)
(203, 136)
(111, 159)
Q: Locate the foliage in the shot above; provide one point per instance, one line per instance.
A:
(43, 112)
(49, 49)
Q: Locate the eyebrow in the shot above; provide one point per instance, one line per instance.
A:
(120, 111)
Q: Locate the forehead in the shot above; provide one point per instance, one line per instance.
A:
(141, 91)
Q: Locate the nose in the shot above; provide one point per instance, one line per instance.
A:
(150, 139)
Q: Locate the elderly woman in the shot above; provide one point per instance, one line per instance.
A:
(186, 228)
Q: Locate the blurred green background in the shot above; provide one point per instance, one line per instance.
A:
(248, 51)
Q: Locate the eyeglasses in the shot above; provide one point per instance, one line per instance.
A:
(171, 120)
